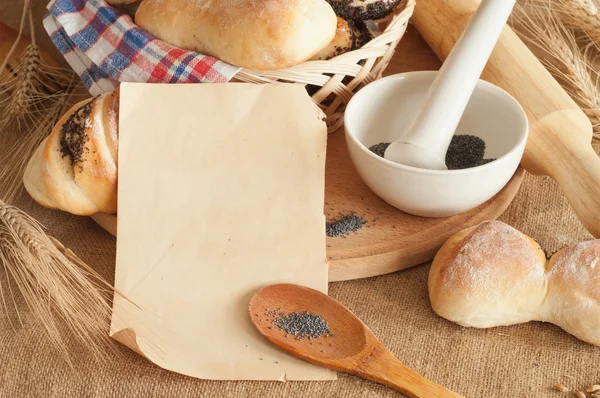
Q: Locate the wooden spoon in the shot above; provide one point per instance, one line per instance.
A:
(353, 349)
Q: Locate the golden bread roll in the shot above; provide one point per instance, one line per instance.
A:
(75, 168)
(573, 300)
(266, 34)
(493, 275)
(344, 41)
(488, 275)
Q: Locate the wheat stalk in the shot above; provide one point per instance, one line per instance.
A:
(56, 290)
(32, 96)
(25, 86)
(557, 47)
(24, 14)
(17, 153)
(580, 15)
(62, 293)
(27, 116)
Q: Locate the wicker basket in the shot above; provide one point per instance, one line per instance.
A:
(339, 78)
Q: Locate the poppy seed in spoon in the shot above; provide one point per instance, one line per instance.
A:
(303, 325)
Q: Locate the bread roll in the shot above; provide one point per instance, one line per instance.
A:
(363, 10)
(493, 275)
(573, 300)
(75, 168)
(363, 34)
(266, 34)
(488, 275)
(344, 41)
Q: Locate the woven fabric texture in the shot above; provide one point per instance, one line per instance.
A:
(104, 47)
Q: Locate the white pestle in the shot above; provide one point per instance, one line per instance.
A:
(425, 143)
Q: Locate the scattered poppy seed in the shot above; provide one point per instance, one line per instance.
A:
(344, 224)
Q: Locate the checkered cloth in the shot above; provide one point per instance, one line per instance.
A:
(104, 47)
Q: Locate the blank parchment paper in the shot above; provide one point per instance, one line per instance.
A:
(221, 192)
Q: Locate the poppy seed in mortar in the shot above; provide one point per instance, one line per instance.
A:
(464, 152)
(379, 149)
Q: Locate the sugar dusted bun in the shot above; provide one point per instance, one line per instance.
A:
(493, 275)
(265, 34)
(488, 275)
(573, 300)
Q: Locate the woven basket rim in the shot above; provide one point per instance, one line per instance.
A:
(332, 83)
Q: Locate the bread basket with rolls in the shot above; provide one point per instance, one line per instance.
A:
(332, 47)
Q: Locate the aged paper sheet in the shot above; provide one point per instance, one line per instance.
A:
(221, 191)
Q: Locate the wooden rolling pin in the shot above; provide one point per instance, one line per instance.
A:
(560, 133)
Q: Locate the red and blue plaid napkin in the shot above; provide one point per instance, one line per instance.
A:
(104, 47)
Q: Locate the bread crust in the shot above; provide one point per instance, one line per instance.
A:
(344, 41)
(81, 185)
(488, 275)
(265, 35)
(573, 300)
(525, 287)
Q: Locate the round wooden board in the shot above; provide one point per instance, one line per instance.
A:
(391, 240)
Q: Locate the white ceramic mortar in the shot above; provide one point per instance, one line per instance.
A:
(382, 111)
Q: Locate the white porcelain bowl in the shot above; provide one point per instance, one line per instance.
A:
(382, 110)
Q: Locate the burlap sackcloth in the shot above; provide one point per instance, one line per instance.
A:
(517, 361)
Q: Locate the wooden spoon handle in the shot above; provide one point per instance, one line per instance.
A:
(383, 367)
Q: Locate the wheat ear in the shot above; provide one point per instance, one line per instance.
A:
(56, 290)
(581, 15)
(32, 97)
(556, 46)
